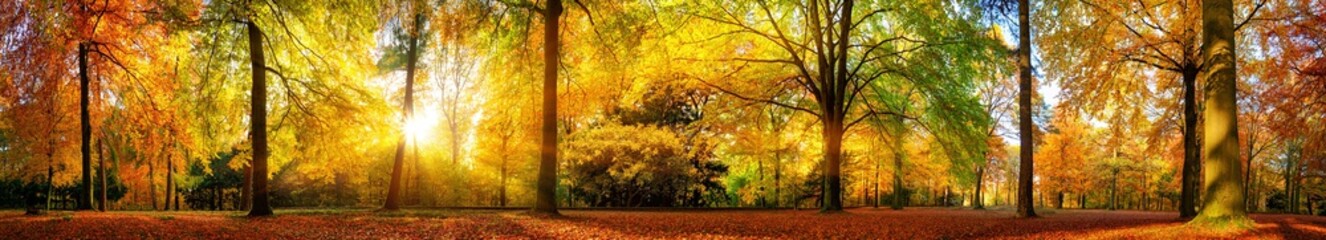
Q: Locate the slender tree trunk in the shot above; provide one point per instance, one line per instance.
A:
(1252, 154)
(1114, 190)
(455, 142)
(1223, 197)
(50, 184)
(85, 122)
(778, 176)
(877, 169)
(152, 184)
(398, 164)
(502, 195)
(246, 189)
(899, 194)
(1024, 205)
(258, 123)
(1059, 204)
(546, 196)
(1191, 160)
(101, 164)
(977, 200)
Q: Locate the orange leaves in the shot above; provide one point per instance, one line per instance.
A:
(719, 224)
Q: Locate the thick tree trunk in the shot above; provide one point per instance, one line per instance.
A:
(85, 122)
(398, 162)
(833, 153)
(546, 196)
(1191, 160)
(1025, 126)
(835, 112)
(1222, 199)
(258, 123)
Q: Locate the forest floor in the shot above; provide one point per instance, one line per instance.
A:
(861, 223)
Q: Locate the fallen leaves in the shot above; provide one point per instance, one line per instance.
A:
(914, 223)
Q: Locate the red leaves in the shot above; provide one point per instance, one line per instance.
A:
(697, 224)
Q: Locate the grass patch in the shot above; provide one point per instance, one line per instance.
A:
(1222, 224)
(166, 217)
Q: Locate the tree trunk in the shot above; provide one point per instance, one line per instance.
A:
(778, 176)
(84, 121)
(899, 194)
(1222, 199)
(877, 169)
(246, 189)
(503, 171)
(1191, 160)
(101, 159)
(1059, 204)
(170, 182)
(977, 200)
(546, 196)
(50, 184)
(258, 123)
(1082, 201)
(1024, 205)
(1114, 190)
(152, 184)
(1247, 173)
(455, 141)
(398, 164)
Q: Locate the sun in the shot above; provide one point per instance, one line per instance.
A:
(420, 128)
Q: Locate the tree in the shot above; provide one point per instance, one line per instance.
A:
(326, 80)
(1025, 126)
(838, 59)
(546, 196)
(1140, 43)
(1222, 201)
(411, 48)
(258, 122)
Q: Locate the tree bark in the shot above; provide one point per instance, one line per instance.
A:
(877, 169)
(899, 194)
(778, 177)
(170, 182)
(85, 122)
(246, 189)
(258, 123)
(546, 195)
(1059, 204)
(152, 184)
(977, 200)
(1025, 126)
(1222, 198)
(398, 164)
(101, 158)
(1191, 159)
